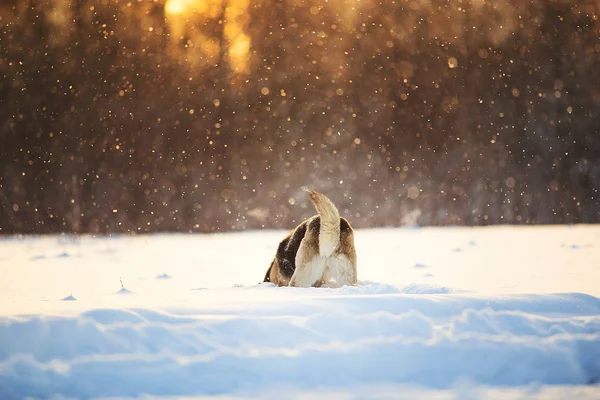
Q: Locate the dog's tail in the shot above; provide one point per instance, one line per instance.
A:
(329, 233)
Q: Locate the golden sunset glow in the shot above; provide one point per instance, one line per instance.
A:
(174, 7)
(186, 17)
(238, 53)
(237, 21)
(206, 8)
(237, 97)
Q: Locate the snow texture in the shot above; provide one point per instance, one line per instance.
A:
(196, 322)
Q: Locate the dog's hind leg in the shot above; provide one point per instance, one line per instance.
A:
(268, 274)
(339, 272)
(309, 265)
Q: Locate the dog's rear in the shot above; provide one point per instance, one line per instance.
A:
(320, 251)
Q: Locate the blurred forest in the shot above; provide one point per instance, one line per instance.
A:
(209, 115)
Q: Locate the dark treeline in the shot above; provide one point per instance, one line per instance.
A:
(183, 115)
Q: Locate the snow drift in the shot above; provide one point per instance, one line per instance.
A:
(70, 330)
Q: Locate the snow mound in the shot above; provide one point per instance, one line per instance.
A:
(338, 338)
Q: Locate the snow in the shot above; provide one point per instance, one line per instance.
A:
(514, 314)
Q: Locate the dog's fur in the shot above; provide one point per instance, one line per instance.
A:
(318, 252)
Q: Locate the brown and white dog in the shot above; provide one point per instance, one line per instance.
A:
(318, 252)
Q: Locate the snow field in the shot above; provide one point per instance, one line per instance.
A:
(514, 314)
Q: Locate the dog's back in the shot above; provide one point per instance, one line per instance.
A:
(319, 251)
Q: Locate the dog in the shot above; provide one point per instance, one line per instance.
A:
(319, 252)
